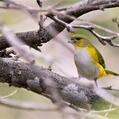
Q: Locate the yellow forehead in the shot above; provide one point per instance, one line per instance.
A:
(74, 36)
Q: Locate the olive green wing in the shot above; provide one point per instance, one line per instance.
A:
(101, 59)
(96, 56)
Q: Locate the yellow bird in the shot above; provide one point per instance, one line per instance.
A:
(89, 62)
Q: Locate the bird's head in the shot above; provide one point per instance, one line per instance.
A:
(78, 41)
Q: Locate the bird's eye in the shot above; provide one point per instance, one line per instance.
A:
(76, 40)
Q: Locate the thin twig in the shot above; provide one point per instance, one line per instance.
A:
(26, 105)
(16, 43)
(11, 94)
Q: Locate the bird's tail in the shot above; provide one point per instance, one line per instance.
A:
(111, 73)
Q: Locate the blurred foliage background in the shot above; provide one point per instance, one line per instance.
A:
(20, 21)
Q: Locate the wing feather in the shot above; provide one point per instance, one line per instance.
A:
(96, 56)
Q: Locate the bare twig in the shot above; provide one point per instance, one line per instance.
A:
(56, 97)
(115, 20)
(17, 44)
(92, 27)
(39, 3)
(26, 105)
(11, 94)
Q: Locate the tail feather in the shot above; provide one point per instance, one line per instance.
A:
(112, 73)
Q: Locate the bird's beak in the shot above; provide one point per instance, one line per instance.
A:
(71, 41)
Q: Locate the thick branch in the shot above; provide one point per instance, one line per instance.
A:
(86, 6)
(32, 77)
